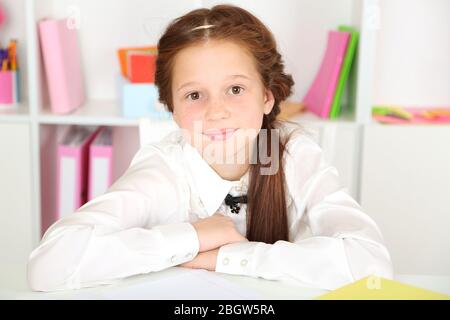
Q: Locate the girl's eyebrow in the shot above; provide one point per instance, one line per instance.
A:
(233, 76)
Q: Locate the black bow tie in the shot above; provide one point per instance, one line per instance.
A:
(232, 202)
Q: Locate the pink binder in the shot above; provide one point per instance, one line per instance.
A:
(100, 163)
(72, 170)
(6, 87)
(61, 56)
(320, 94)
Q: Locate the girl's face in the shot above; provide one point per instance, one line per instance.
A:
(219, 99)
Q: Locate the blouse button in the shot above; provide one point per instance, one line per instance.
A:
(244, 262)
(225, 261)
(173, 259)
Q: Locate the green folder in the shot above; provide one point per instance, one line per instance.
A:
(345, 70)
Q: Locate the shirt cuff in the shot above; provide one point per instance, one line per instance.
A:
(181, 242)
(239, 258)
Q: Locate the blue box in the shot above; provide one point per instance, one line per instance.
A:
(140, 100)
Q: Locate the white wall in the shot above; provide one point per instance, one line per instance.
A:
(412, 66)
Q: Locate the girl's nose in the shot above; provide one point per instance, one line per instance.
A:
(216, 109)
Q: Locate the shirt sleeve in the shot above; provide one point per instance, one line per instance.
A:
(345, 243)
(131, 229)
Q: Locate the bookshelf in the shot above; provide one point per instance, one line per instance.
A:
(140, 22)
(93, 112)
(15, 114)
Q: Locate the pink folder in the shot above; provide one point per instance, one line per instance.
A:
(320, 95)
(6, 87)
(62, 62)
(100, 163)
(72, 172)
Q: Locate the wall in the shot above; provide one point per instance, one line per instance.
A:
(412, 64)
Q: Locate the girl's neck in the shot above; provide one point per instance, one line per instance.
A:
(235, 170)
(231, 172)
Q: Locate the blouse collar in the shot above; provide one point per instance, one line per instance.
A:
(211, 187)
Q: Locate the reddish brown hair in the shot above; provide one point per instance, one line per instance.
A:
(266, 209)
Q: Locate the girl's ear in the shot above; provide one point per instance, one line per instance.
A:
(269, 101)
(175, 115)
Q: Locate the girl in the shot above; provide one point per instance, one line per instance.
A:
(233, 191)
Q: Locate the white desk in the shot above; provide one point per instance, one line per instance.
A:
(13, 285)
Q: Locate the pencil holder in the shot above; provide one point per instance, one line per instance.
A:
(9, 88)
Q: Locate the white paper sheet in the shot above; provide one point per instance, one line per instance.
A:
(193, 284)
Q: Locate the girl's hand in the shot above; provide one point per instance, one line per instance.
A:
(216, 231)
(203, 260)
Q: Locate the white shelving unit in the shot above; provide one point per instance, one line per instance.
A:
(17, 114)
(106, 25)
(91, 113)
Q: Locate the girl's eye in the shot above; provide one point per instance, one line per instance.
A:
(236, 90)
(193, 95)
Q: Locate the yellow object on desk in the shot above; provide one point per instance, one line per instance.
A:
(377, 288)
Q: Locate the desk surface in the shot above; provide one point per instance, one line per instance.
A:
(13, 285)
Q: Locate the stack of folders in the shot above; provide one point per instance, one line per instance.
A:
(100, 163)
(84, 167)
(324, 96)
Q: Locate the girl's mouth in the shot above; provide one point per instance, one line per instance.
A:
(219, 134)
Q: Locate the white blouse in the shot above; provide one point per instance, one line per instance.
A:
(143, 224)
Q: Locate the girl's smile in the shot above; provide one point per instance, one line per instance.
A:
(220, 134)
